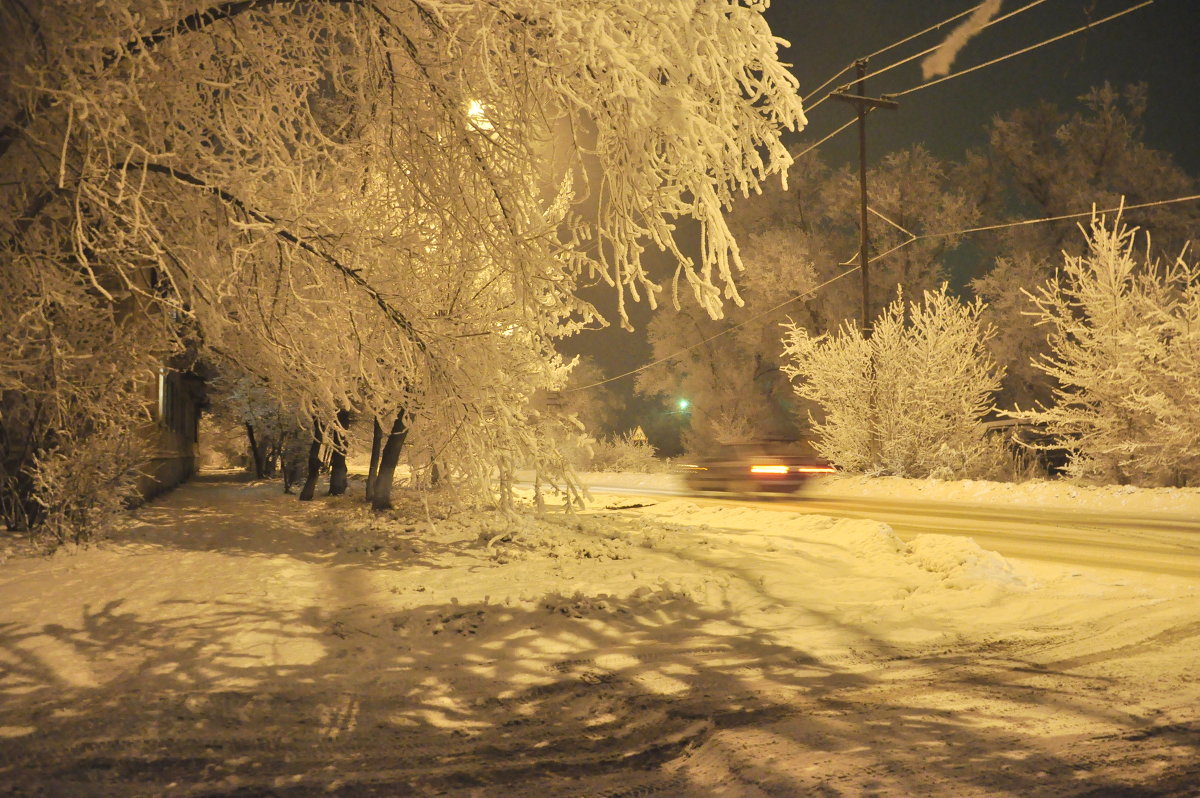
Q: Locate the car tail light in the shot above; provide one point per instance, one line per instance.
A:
(815, 470)
(768, 469)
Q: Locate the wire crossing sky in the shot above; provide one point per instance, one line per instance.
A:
(1034, 51)
(911, 240)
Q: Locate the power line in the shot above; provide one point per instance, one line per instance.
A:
(996, 60)
(812, 147)
(915, 56)
(921, 33)
(1023, 50)
(988, 24)
(1024, 222)
(912, 239)
(831, 79)
(1062, 217)
(883, 50)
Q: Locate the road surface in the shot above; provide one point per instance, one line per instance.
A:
(1160, 543)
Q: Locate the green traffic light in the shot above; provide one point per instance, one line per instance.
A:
(684, 404)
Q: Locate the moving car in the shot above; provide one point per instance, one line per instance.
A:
(759, 467)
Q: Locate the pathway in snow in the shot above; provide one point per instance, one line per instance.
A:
(233, 641)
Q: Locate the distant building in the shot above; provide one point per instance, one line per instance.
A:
(173, 436)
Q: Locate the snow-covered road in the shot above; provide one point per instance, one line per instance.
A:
(1149, 543)
(1163, 537)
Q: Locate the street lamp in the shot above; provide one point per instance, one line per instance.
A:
(477, 116)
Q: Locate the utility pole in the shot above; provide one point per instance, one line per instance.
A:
(863, 104)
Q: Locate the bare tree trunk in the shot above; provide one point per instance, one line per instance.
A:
(314, 463)
(286, 466)
(337, 458)
(373, 468)
(259, 469)
(271, 461)
(381, 498)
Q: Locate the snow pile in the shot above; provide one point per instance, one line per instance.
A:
(961, 563)
(956, 563)
(411, 528)
(871, 540)
(578, 539)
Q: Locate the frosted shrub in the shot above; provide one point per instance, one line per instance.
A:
(84, 482)
(624, 453)
(75, 379)
(1125, 351)
(908, 400)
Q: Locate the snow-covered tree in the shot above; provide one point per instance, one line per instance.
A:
(733, 385)
(1007, 308)
(74, 395)
(1124, 333)
(598, 406)
(793, 241)
(909, 400)
(381, 206)
(242, 402)
(1045, 161)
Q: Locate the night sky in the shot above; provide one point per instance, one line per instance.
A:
(1155, 45)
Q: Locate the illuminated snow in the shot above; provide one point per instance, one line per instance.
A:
(826, 645)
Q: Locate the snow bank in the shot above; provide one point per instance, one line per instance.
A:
(960, 563)
(1040, 493)
(866, 561)
(1057, 494)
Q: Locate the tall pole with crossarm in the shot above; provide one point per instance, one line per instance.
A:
(863, 105)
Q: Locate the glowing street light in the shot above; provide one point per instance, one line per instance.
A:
(477, 116)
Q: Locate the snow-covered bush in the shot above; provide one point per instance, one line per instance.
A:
(76, 382)
(624, 453)
(83, 482)
(1125, 352)
(908, 400)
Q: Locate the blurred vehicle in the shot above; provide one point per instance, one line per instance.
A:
(759, 467)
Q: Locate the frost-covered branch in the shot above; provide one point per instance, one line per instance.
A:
(354, 275)
(342, 175)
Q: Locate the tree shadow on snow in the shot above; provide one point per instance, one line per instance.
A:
(654, 694)
(198, 517)
(650, 694)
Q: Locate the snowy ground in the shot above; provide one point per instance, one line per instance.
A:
(231, 641)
